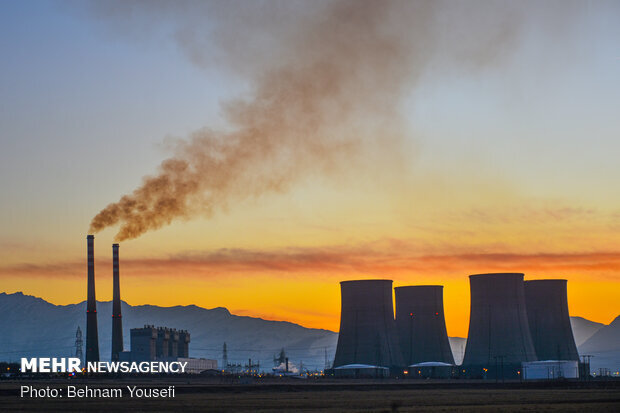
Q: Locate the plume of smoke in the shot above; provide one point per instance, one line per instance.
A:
(327, 80)
(282, 368)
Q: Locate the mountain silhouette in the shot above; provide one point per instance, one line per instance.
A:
(33, 327)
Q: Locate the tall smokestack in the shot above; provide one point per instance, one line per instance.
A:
(547, 313)
(421, 324)
(499, 337)
(92, 337)
(117, 320)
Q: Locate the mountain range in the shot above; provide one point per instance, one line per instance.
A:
(33, 327)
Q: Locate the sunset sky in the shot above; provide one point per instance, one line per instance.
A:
(418, 142)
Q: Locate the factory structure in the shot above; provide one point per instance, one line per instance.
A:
(368, 341)
(499, 338)
(92, 336)
(422, 332)
(117, 320)
(549, 322)
(517, 330)
(148, 343)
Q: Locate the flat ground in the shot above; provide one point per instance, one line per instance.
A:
(215, 395)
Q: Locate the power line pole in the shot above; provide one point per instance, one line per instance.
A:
(78, 344)
(224, 357)
(585, 362)
(326, 360)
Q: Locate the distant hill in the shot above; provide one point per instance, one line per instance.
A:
(583, 329)
(33, 327)
(604, 345)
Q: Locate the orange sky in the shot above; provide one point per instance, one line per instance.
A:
(282, 257)
(322, 149)
(301, 284)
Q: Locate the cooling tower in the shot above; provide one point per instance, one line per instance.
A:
(547, 313)
(92, 338)
(367, 328)
(421, 325)
(117, 320)
(499, 337)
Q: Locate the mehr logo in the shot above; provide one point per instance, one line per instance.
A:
(50, 365)
(72, 364)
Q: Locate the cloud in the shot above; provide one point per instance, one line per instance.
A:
(531, 214)
(387, 258)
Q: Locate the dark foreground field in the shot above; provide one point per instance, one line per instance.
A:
(338, 396)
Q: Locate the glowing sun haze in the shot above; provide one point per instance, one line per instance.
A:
(251, 155)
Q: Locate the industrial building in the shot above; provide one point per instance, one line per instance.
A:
(517, 329)
(421, 325)
(147, 343)
(151, 343)
(197, 366)
(368, 340)
(499, 339)
(161, 345)
(92, 335)
(143, 345)
(551, 370)
(547, 313)
(183, 344)
(172, 343)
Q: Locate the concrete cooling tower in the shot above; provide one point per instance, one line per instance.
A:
(367, 337)
(547, 312)
(421, 325)
(499, 337)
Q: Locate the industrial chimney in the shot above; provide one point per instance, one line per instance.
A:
(92, 337)
(367, 330)
(421, 324)
(499, 337)
(547, 313)
(117, 320)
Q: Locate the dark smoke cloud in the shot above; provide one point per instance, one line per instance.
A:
(327, 79)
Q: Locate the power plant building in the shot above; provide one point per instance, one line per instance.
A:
(173, 343)
(499, 339)
(421, 326)
(148, 343)
(549, 322)
(143, 344)
(183, 344)
(151, 343)
(367, 340)
(163, 337)
(551, 370)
